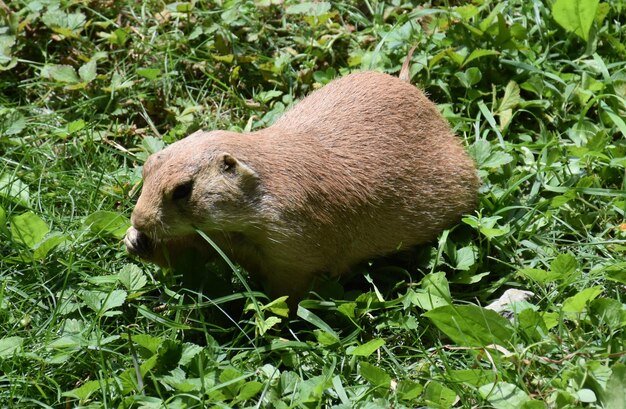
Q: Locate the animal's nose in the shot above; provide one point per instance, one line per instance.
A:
(136, 242)
(134, 220)
(139, 220)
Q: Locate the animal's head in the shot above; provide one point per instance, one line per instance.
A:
(194, 183)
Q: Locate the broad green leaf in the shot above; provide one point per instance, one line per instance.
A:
(467, 277)
(312, 389)
(56, 18)
(9, 346)
(586, 395)
(532, 323)
(617, 275)
(325, 76)
(132, 277)
(107, 223)
(117, 37)
(609, 312)
(487, 157)
(249, 390)
(578, 302)
(480, 151)
(150, 342)
(114, 299)
(469, 77)
(564, 265)
(12, 123)
(496, 160)
(102, 301)
(427, 300)
(471, 221)
(470, 325)
(408, 390)
(75, 126)
(478, 53)
(152, 145)
(615, 392)
(503, 395)
(29, 229)
(472, 377)
(551, 319)
(60, 73)
(560, 200)
(465, 258)
(266, 324)
(538, 275)
(575, 15)
(487, 225)
(107, 281)
(491, 232)
(190, 350)
(231, 380)
(278, 306)
(14, 189)
(53, 240)
(184, 7)
(368, 348)
(73, 326)
(466, 11)
(6, 44)
(84, 391)
(323, 338)
(87, 72)
(3, 218)
(267, 96)
(168, 355)
(66, 342)
(511, 98)
(347, 309)
(437, 284)
(439, 395)
(374, 375)
(149, 73)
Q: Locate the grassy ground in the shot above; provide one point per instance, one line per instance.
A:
(536, 91)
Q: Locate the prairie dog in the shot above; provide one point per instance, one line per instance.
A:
(363, 167)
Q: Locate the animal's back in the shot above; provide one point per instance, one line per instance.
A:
(379, 129)
(365, 111)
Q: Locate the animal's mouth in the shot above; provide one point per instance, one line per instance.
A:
(143, 243)
(138, 243)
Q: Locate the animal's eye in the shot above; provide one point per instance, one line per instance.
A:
(182, 191)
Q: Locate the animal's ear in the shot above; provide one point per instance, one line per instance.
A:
(232, 165)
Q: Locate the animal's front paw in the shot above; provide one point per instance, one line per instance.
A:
(138, 243)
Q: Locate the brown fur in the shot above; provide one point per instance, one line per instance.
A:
(363, 167)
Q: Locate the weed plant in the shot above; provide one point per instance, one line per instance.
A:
(535, 89)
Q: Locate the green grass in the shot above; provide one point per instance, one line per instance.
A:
(89, 89)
